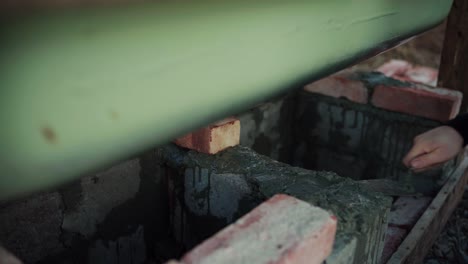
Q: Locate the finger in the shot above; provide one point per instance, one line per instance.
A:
(417, 150)
(427, 160)
(435, 166)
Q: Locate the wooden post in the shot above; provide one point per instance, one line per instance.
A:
(453, 73)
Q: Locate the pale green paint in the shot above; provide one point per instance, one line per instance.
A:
(109, 83)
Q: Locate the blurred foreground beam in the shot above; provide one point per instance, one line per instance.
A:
(84, 88)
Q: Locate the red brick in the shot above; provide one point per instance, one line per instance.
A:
(433, 103)
(424, 75)
(394, 68)
(404, 71)
(393, 240)
(339, 86)
(7, 258)
(280, 230)
(213, 138)
(407, 210)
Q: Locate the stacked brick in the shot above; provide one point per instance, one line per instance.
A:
(210, 192)
(360, 125)
(378, 106)
(409, 98)
(213, 138)
(279, 231)
(403, 216)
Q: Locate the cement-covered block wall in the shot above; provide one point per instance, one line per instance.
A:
(31, 228)
(120, 215)
(115, 216)
(211, 191)
(267, 128)
(347, 134)
(155, 206)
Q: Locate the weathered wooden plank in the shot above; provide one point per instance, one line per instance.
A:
(421, 238)
(453, 71)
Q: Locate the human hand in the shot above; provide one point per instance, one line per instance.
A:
(433, 148)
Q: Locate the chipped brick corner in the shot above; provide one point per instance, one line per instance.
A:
(269, 228)
(213, 138)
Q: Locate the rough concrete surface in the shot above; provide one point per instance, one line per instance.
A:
(30, 228)
(267, 128)
(125, 249)
(360, 213)
(115, 216)
(99, 195)
(343, 250)
(360, 141)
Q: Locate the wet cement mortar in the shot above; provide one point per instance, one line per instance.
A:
(361, 212)
(323, 125)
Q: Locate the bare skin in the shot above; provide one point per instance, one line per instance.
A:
(433, 148)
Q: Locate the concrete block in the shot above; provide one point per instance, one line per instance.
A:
(406, 211)
(280, 230)
(340, 86)
(30, 228)
(115, 216)
(201, 209)
(94, 197)
(432, 103)
(332, 121)
(129, 248)
(349, 200)
(344, 250)
(8, 258)
(267, 128)
(359, 141)
(393, 240)
(213, 138)
(328, 159)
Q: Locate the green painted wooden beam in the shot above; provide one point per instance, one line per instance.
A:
(82, 89)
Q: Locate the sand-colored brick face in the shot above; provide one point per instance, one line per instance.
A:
(213, 138)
